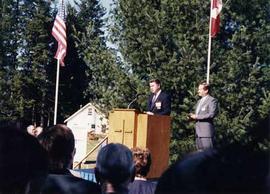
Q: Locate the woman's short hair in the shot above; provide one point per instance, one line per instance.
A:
(142, 161)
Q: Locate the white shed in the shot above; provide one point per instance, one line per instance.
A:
(86, 119)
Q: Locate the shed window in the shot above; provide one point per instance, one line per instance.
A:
(89, 111)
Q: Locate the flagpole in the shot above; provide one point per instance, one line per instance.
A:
(56, 92)
(209, 45)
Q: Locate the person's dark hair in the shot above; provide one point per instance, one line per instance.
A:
(233, 169)
(60, 143)
(142, 161)
(23, 162)
(114, 164)
(157, 81)
(205, 85)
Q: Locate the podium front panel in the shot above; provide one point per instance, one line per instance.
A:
(122, 127)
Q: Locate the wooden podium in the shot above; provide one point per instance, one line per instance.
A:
(134, 129)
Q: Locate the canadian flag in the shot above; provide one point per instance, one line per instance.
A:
(215, 16)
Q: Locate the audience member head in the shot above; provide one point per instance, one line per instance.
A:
(142, 161)
(233, 169)
(23, 162)
(114, 168)
(60, 145)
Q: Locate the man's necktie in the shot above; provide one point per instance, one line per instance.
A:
(153, 101)
(199, 106)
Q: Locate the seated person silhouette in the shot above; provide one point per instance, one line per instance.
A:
(228, 170)
(142, 161)
(60, 143)
(114, 168)
(23, 162)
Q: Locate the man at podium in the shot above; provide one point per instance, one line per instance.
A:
(159, 102)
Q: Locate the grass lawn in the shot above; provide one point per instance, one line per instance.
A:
(91, 143)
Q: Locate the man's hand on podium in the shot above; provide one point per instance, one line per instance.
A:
(149, 113)
(192, 116)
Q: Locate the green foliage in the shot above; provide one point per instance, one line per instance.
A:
(24, 57)
(108, 85)
(34, 59)
(8, 50)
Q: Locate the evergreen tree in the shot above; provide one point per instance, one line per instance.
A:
(8, 51)
(25, 55)
(103, 73)
(33, 61)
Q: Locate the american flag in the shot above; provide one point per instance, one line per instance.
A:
(59, 33)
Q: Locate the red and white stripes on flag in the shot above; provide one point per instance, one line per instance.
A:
(215, 16)
(59, 33)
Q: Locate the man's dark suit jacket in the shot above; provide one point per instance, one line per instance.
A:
(66, 183)
(161, 106)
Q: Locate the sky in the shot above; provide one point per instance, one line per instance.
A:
(106, 4)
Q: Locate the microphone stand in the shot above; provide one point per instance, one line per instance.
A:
(132, 101)
(136, 98)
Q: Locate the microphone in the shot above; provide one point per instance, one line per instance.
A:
(136, 97)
